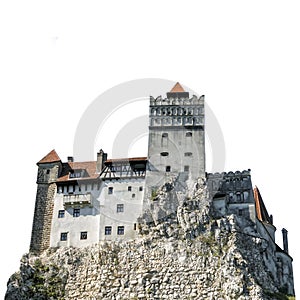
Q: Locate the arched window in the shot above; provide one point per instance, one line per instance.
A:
(188, 134)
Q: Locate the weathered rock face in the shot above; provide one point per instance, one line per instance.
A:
(188, 255)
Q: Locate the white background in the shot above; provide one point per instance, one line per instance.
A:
(58, 56)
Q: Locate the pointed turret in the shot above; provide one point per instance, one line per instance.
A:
(177, 92)
(261, 211)
(177, 88)
(51, 157)
(49, 168)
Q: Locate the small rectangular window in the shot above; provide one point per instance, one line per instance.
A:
(107, 230)
(133, 196)
(140, 188)
(120, 208)
(165, 135)
(110, 190)
(134, 226)
(129, 189)
(76, 212)
(188, 154)
(61, 213)
(64, 236)
(168, 168)
(120, 230)
(83, 235)
(186, 168)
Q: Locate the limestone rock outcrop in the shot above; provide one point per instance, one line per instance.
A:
(187, 255)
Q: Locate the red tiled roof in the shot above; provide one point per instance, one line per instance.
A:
(88, 166)
(50, 158)
(131, 159)
(261, 211)
(177, 88)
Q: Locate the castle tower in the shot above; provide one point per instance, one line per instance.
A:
(49, 168)
(176, 140)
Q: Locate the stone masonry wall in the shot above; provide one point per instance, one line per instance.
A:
(41, 228)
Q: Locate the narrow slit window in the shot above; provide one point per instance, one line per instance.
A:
(188, 154)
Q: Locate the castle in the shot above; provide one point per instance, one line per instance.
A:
(81, 203)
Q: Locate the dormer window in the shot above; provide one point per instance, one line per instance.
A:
(77, 173)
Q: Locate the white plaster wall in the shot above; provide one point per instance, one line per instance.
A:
(177, 144)
(132, 207)
(87, 221)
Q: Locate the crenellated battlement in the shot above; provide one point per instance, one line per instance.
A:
(175, 101)
(176, 112)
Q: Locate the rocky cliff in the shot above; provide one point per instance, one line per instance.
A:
(187, 255)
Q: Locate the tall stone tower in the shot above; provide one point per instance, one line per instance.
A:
(176, 147)
(49, 168)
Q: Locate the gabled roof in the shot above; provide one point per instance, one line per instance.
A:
(177, 88)
(261, 210)
(51, 157)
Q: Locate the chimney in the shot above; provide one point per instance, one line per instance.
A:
(285, 240)
(70, 159)
(271, 219)
(101, 158)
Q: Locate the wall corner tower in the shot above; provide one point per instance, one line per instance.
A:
(49, 169)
